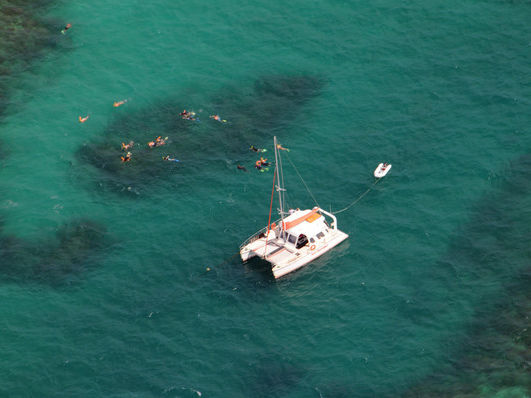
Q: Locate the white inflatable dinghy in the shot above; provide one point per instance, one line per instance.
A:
(382, 170)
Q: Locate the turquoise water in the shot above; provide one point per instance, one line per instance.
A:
(105, 289)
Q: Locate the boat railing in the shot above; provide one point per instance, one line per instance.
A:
(257, 235)
(334, 219)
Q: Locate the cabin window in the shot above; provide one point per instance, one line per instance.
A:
(302, 241)
(292, 239)
(320, 235)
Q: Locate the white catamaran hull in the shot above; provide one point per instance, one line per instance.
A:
(284, 260)
(282, 268)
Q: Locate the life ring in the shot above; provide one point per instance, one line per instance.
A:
(312, 247)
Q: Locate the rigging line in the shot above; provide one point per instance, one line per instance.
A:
(281, 177)
(270, 209)
(271, 205)
(359, 197)
(302, 179)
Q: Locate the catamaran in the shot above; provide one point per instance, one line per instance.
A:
(297, 238)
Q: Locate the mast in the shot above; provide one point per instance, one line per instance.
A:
(279, 186)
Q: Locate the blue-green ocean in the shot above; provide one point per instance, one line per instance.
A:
(121, 279)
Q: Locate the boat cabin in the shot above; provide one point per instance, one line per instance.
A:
(304, 227)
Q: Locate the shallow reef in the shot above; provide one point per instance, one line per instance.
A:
(253, 117)
(23, 37)
(495, 358)
(274, 377)
(57, 261)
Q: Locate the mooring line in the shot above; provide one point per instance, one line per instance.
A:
(359, 197)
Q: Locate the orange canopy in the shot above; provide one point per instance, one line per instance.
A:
(297, 221)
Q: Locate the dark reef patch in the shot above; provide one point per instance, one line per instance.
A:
(23, 37)
(146, 164)
(496, 356)
(274, 377)
(253, 118)
(57, 261)
(337, 390)
(493, 249)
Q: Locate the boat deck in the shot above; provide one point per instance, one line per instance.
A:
(281, 256)
(264, 248)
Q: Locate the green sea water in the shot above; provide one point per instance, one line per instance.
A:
(104, 281)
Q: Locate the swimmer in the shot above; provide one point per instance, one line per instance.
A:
(217, 118)
(167, 158)
(282, 148)
(259, 150)
(83, 119)
(127, 157)
(259, 165)
(157, 142)
(263, 161)
(125, 146)
(240, 167)
(187, 115)
(68, 26)
(116, 104)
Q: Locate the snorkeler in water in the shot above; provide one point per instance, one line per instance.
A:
(218, 118)
(187, 115)
(240, 167)
(83, 119)
(127, 157)
(67, 26)
(259, 165)
(258, 150)
(167, 158)
(282, 148)
(126, 147)
(116, 104)
(157, 142)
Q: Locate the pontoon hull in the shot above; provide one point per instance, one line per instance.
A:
(284, 260)
(283, 268)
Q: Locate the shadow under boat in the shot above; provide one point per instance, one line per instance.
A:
(259, 267)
